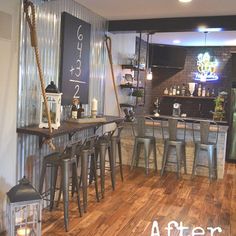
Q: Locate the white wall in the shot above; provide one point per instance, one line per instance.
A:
(123, 46)
(8, 102)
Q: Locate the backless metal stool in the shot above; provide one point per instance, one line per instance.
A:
(206, 140)
(141, 137)
(175, 141)
(65, 161)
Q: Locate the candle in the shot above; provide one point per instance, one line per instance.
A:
(23, 231)
(94, 105)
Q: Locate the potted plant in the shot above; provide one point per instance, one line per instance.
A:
(137, 93)
(219, 112)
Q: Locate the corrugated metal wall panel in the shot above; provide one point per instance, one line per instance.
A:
(48, 22)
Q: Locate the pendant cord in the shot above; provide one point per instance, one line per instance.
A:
(205, 37)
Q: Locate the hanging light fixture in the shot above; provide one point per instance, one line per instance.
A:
(148, 68)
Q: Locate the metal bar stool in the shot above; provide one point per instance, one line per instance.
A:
(88, 163)
(110, 141)
(174, 141)
(65, 161)
(85, 153)
(206, 140)
(147, 140)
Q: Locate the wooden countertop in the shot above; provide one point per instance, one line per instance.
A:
(66, 128)
(187, 119)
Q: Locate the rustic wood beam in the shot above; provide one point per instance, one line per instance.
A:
(180, 24)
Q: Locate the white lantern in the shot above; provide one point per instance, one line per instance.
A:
(24, 210)
(54, 106)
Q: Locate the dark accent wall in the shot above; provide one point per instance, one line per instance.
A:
(165, 77)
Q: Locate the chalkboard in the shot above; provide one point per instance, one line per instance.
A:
(74, 64)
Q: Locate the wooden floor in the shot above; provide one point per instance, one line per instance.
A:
(139, 200)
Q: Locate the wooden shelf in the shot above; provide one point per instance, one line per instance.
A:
(188, 97)
(132, 67)
(130, 86)
(126, 105)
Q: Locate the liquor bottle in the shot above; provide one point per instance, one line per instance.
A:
(170, 91)
(199, 91)
(178, 90)
(166, 92)
(213, 93)
(80, 111)
(208, 93)
(174, 91)
(183, 90)
(203, 91)
(74, 112)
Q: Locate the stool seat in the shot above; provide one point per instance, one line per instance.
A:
(204, 145)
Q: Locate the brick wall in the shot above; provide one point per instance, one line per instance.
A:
(165, 78)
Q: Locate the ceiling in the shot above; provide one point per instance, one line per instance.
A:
(147, 9)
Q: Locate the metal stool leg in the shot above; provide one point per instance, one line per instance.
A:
(42, 176)
(215, 164)
(210, 161)
(74, 171)
(178, 155)
(94, 173)
(184, 158)
(134, 154)
(84, 176)
(103, 148)
(164, 159)
(113, 161)
(155, 154)
(53, 184)
(138, 153)
(146, 155)
(120, 160)
(196, 154)
(91, 176)
(65, 176)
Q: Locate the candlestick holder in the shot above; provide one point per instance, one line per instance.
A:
(93, 113)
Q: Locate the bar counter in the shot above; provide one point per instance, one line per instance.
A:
(128, 142)
(66, 128)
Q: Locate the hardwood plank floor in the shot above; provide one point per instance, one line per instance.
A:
(139, 200)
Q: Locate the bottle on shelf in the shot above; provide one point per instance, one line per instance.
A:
(199, 91)
(171, 91)
(203, 92)
(74, 110)
(166, 92)
(213, 93)
(208, 93)
(174, 91)
(80, 111)
(183, 90)
(178, 90)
